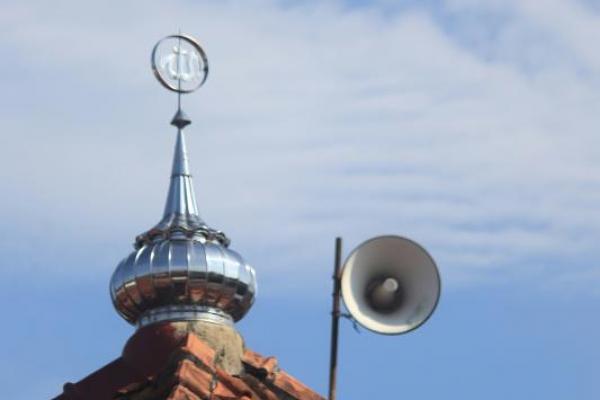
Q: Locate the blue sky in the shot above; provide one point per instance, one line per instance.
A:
(468, 126)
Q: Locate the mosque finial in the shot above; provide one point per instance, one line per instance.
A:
(181, 269)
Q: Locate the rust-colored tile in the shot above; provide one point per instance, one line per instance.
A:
(196, 379)
(263, 392)
(181, 393)
(234, 385)
(267, 364)
(170, 373)
(199, 349)
(294, 387)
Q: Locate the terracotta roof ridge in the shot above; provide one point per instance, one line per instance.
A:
(102, 383)
(265, 366)
(199, 349)
(293, 387)
(267, 370)
(182, 393)
(198, 379)
(206, 382)
(186, 367)
(261, 387)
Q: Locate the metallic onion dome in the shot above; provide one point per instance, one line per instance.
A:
(182, 269)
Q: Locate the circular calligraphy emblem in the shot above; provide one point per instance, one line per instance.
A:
(179, 63)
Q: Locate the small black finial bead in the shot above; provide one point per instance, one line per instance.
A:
(180, 120)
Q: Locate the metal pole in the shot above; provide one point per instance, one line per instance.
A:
(335, 318)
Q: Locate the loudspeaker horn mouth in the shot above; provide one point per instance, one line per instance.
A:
(384, 295)
(390, 285)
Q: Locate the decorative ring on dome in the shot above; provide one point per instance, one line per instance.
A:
(184, 313)
(180, 232)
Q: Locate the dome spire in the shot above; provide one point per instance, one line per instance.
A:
(181, 269)
(181, 199)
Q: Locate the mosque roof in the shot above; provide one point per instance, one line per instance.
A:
(157, 363)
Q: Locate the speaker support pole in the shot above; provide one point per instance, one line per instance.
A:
(335, 318)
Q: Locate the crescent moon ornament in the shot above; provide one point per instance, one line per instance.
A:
(179, 63)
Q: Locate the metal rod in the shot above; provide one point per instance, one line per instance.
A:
(335, 318)
(179, 74)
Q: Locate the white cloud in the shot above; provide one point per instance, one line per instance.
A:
(315, 121)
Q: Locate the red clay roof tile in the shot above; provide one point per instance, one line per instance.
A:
(281, 380)
(261, 389)
(181, 393)
(294, 387)
(267, 365)
(197, 379)
(199, 349)
(185, 369)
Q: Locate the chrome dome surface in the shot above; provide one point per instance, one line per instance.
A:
(182, 269)
(182, 279)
